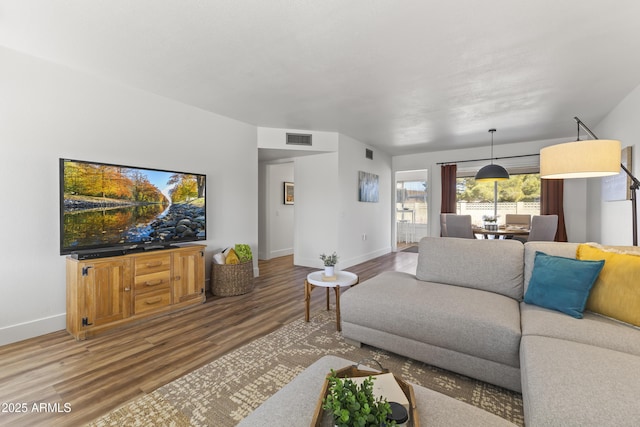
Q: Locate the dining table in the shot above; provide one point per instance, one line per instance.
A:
(501, 232)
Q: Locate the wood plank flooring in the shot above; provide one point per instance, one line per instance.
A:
(98, 375)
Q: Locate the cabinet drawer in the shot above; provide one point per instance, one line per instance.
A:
(152, 300)
(152, 264)
(153, 281)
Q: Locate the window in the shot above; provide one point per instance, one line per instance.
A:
(411, 205)
(518, 195)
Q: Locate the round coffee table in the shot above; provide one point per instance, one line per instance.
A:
(317, 279)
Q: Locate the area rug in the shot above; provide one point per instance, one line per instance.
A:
(229, 388)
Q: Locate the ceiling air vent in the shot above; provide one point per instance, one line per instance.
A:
(368, 153)
(299, 139)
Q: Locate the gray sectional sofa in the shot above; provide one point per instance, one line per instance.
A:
(463, 311)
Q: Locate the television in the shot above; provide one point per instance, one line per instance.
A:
(108, 209)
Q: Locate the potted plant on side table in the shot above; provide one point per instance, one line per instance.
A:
(329, 263)
(355, 405)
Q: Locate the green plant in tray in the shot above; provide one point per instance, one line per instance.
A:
(354, 405)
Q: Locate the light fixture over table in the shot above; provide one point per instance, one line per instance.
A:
(587, 159)
(492, 172)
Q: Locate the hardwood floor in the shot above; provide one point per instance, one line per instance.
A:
(83, 380)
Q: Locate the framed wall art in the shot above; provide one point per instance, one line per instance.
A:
(288, 193)
(368, 184)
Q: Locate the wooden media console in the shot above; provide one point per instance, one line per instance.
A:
(106, 293)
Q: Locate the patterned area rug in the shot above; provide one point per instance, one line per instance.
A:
(228, 389)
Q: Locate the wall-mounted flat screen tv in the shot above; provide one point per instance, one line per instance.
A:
(105, 206)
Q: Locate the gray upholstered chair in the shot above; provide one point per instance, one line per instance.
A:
(543, 228)
(453, 225)
(518, 220)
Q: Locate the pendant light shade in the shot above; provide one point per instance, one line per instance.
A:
(492, 172)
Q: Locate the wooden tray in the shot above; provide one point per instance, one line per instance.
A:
(320, 416)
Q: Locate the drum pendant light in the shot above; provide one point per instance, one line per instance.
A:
(492, 172)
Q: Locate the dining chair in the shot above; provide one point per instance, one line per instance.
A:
(543, 228)
(518, 220)
(456, 226)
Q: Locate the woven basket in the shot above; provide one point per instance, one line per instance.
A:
(231, 279)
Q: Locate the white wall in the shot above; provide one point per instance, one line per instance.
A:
(575, 203)
(48, 112)
(263, 220)
(610, 222)
(356, 219)
(276, 217)
(317, 206)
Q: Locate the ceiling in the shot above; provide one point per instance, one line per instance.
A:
(402, 76)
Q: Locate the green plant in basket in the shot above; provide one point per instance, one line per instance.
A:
(354, 405)
(243, 252)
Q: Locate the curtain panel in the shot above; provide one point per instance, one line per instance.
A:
(551, 203)
(448, 179)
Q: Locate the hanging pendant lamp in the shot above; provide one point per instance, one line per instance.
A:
(492, 172)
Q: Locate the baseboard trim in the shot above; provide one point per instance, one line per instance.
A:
(280, 252)
(343, 264)
(33, 328)
(366, 257)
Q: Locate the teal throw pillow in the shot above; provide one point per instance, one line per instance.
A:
(562, 284)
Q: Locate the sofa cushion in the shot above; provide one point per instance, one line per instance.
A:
(565, 383)
(451, 317)
(592, 329)
(567, 250)
(489, 265)
(562, 284)
(616, 293)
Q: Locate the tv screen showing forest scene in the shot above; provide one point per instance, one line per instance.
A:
(105, 205)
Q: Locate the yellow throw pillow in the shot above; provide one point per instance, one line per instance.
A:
(616, 293)
(232, 257)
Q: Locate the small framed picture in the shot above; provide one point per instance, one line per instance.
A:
(288, 193)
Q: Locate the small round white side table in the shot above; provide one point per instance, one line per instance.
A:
(342, 279)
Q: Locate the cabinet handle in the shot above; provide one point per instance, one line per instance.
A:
(177, 278)
(154, 301)
(154, 282)
(154, 264)
(127, 289)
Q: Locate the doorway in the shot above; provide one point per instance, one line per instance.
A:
(411, 207)
(276, 213)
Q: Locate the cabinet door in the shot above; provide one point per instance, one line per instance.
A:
(188, 275)
(107, 291)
